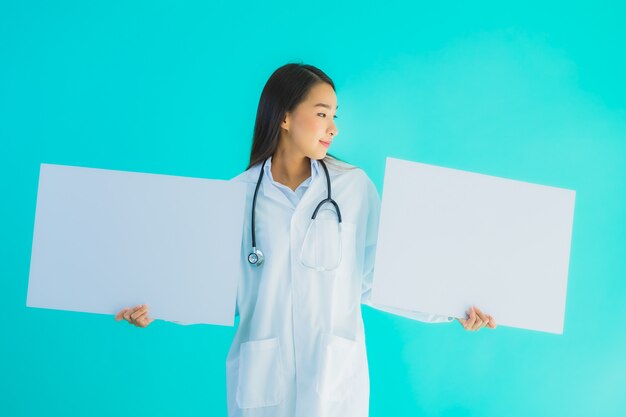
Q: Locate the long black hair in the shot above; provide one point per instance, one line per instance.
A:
(287, 87)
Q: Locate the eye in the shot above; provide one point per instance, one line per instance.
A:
(324, 114)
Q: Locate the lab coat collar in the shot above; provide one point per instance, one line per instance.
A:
(315, 169)
(251, 175)
(315, 192)
(274, 193)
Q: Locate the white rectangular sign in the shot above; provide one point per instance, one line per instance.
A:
(449, 239)
(106, 239)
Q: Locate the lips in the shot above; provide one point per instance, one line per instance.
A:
(325, 144)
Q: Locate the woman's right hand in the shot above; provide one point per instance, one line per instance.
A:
(137, 315)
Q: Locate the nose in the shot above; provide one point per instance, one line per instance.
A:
(333, 130)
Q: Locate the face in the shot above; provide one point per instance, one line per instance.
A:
(310, 128)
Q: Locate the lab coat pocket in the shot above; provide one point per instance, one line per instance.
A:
(321, 247)
(337, 367)
(348, 247)
(261, 374)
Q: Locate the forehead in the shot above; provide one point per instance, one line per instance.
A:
(322, 93)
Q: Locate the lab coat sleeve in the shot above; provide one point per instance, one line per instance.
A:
(371, 236)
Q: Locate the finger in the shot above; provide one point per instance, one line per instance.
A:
(128, 315)
(478, 323)
(471, 320)
(139, 312)
(492, 322)
(140, 319)
(144, 321)
(137, 317)
(119, 316)
(483, 317)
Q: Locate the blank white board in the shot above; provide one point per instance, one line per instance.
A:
(106, 239)
(449, 239)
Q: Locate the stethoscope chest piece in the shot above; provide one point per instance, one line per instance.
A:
(256, 257)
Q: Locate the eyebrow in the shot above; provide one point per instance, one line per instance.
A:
(325, 106)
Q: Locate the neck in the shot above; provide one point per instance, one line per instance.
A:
(290, 169)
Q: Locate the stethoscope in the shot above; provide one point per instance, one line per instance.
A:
(256, 256)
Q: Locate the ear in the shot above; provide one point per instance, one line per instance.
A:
(286, 121)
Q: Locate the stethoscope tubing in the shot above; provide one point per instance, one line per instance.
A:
(256, 256)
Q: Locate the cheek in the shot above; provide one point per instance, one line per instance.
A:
(310, 128)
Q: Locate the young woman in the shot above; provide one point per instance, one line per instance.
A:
(307, 254)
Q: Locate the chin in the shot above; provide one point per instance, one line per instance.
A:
(319, 155)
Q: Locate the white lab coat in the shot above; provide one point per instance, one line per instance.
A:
(299, 350)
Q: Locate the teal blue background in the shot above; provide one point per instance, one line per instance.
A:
(533, 91)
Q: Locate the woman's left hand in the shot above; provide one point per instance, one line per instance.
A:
(476, 320)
